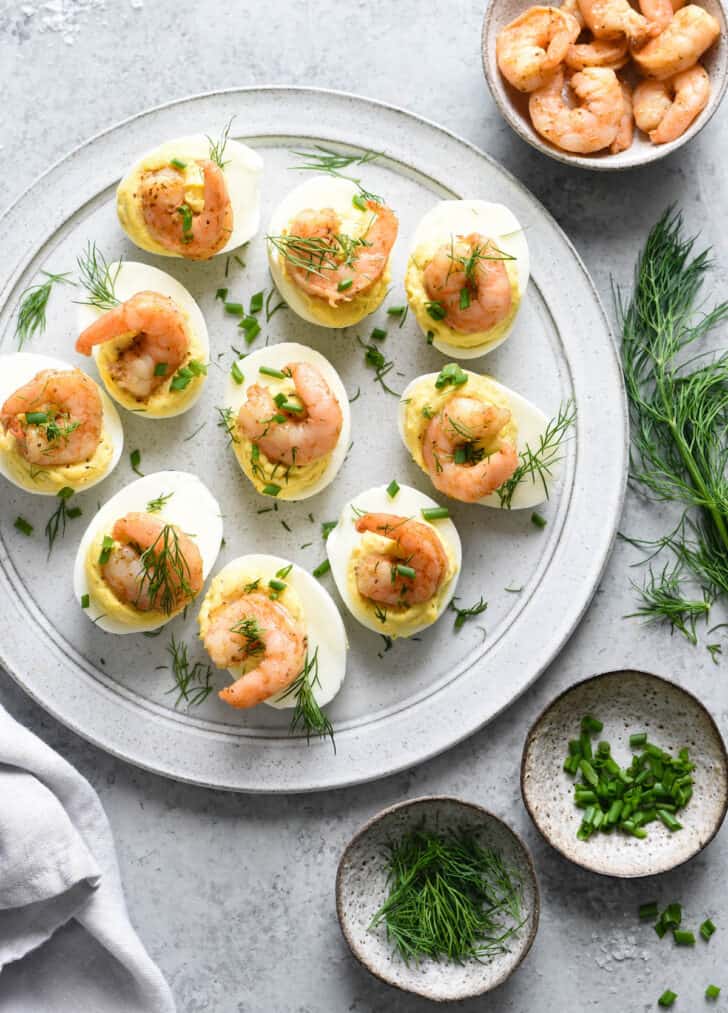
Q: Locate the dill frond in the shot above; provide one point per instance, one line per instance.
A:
(97, 279)
(538, 463)
(33, 305)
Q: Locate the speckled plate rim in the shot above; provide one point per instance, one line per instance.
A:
(218, 756)
(533, 731)
(598, 164)
(482, 812)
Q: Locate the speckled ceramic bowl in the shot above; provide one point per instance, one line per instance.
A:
(514, 105)
(361, 889)
(626, 702)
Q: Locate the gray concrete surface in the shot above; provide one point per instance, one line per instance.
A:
(234, 895)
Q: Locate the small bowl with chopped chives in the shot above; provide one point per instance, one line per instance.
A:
(438, 897)
(626, 774)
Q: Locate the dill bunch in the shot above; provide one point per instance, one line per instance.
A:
(448, 898)
(678, 401)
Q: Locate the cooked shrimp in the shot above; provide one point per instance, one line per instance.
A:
(253, 628)
(303, 436)
(472, 264)
(66, 418)
(650, 102)
(611, 19)
(174, 220)
(589, 127)
(612, 53)
(341, 266)
(625, 130)
(572, 7)
(157, 335)
(684, 97)
(465, 422)
(658, 13)
(415, 545)
(691, 31)
(152, 565)
(530, 48)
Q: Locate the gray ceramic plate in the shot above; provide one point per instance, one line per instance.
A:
(361, 889)
(626, 702)
(396, 708)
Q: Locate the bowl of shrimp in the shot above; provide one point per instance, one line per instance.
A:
(603, 84)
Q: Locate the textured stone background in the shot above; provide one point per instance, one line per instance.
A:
(234, 895)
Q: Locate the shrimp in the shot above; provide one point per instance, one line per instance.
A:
(586, 128)
(474, 265)
(611, 19)
(302, 436)
(173, 218)
(338, 267)
(253, 628)
(157, 335)
(612, 53)
(669, 107)
(66, 418)
(467, 423)
(691, 31)
(152, 566)
(415, 545)
(658, 13)
(530, 48)
(572, 7)
(625, 130)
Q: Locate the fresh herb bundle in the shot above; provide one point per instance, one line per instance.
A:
(449, 897)
(678, 399)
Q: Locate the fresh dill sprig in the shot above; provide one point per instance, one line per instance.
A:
(165, 572)
(33, 304)
(155, 505)
(56, 524)
(538, 463)
(448, 897)
(315, 254)
(307, 715)
(252, 633)
(373, 357)
(192, 682)
(217, 148)
(226, 421)
(462, 615)
(97, 278)
(271, 310)
(678, 400)
(324, 160)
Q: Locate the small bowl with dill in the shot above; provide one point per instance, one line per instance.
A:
(438, 897)
(626, 774)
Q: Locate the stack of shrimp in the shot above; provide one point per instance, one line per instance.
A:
(595, 68)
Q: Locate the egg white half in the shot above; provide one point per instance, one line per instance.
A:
(130, 278)
(317, 192)
(344, 539)
(18, 369)
(192, 508)
(276, 357)
(243, 171)
(459, 218)
(531, 423)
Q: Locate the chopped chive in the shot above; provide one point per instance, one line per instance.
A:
(669, 820)
(435, 513)
(251, 327)
(436, 310)
(683, 937)
(291, 406)
(464, 298)
(197, 368)
(277, 585)
(393, 488)
(358, 201)
(322, 568)
(345, 284)
(135, 459)
(237, 373)
(284, 571)
(538, 520)
(405, 571)
(396, 311)
(36, 418)
(327, 527)
(235, 309)
(161, 369)
(452, 373)
(648, 911)
(256, 302)
(74, 512)
(269, 371)
(221, 294)
(430, 337)
(591, 725)
(23, 526)
(85, 601)
(271, 489)
(667, 998)
(707, 929)
(638, 739)
(178, 163)
(379, 334)
(712, 992)
(106, 547)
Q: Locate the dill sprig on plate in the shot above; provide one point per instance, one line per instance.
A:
(33, 304)
(56, 524)
(97, 278)
(449, 897)
(678, 400)
(307, 715)
(192, 682)
(538, 463)
(165, 571)
(324, 160)
(217, 148)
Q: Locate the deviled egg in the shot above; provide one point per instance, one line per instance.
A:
(466, 275)
(287, 416)
(57, 427)
(395, 556)
(328, 249)
(150, 343)
(192, 197)
(467, 432)
(268, 622)
(147, 552)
